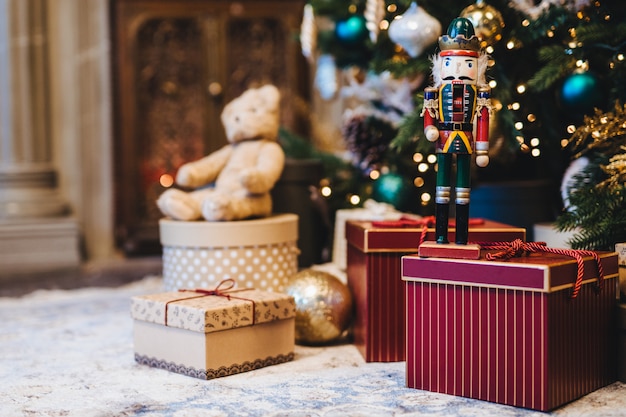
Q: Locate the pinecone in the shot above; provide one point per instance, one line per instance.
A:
(367, 139)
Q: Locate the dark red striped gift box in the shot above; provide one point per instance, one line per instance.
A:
(375, 251)
(509, 331)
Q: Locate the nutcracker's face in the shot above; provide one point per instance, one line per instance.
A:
(460, 69)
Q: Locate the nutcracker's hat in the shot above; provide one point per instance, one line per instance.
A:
(460, 39)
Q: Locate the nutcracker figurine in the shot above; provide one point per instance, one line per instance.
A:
(458, 102)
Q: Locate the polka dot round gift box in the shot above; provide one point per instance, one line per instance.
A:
(259, 253)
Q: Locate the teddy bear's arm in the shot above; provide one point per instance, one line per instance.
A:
(269, 165)
(203, 171)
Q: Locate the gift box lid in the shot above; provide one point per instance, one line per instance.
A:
(207, 311)
(540, 271)
(404, 236)
(278, 228)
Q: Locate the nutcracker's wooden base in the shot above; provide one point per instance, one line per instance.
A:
(449, 250)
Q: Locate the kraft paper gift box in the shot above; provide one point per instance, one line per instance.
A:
(375, 251)
(259, 253)
(208, 336)
(510, 331)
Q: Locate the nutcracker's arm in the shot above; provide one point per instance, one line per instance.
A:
(430, 113)
(483, 111)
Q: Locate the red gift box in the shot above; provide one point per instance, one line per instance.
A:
(375, 251)
(510, 331)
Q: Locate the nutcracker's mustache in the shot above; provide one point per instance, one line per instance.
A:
(462, 77)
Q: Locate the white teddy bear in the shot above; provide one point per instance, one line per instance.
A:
(241, 174)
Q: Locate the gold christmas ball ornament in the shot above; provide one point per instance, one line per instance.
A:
(323, 306)
(487, 21)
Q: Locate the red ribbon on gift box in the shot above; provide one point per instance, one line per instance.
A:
(424, 223)
(223, 289)
(518, 248)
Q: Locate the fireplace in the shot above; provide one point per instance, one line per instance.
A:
(175, 64)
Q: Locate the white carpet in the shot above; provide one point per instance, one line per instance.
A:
(70, 353)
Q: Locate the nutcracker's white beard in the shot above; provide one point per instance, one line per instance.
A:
(483, 60)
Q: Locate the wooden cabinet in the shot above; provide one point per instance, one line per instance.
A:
(176, 63)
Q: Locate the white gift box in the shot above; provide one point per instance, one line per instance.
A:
(259, 253)
(371, 210)
(208, 334)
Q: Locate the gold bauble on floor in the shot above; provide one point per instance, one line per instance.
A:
(323, 306)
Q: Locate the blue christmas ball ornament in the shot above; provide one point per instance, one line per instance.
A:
(351, 30)
(581, 92)
(394, 189)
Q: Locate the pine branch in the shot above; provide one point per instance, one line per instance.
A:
(411, 133)
(553, 19)
(558, 65)
(597, 205)
(601, 32)
(401, 66)
(599, 218)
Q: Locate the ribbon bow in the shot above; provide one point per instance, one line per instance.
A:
(518, 248)
(227, 283)
(223, 289)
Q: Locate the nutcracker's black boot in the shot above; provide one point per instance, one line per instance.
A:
(462, 223)
(441, 225)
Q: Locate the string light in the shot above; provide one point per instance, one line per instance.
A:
(374, 174)
(418, 157)
(521, 88)
(423, 167)
(354, 199)
(418, 182)
(166, 180)
(519, 125)
(432, 158)
(326, 191)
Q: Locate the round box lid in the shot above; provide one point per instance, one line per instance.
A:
(274, 229)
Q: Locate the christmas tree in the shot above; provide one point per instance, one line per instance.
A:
(556, 69)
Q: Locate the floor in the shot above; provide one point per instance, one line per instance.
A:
(110, 273)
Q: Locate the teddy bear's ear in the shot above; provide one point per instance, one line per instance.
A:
(270, 95)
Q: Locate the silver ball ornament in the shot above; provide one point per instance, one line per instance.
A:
(415, 30)
(323, 306)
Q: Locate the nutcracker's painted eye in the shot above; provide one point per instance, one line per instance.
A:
(447, 63)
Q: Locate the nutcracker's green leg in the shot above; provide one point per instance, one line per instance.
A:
(462, 198)
(442, 197)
